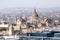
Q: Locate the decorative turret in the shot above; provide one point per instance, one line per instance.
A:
(24, 19)
(18, 22)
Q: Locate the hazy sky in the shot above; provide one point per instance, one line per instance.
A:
(29, 3)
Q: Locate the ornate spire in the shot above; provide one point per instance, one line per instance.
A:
(34, 14)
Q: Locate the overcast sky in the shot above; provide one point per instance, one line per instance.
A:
(29, 3)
